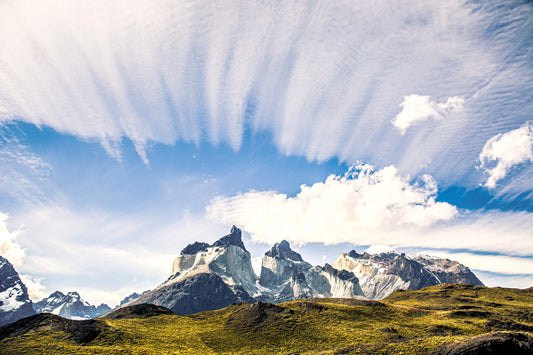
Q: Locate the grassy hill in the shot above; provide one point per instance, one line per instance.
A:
(405, 322)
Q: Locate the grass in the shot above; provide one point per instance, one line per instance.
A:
(405, 322)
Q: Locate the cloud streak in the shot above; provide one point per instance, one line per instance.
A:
(324, 79)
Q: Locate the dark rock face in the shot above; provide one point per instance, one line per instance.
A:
(81, 332)
(449, 271)
(194, 248)
(283, 250)
(200, 292)
(341, 274)
(143, 310)
(234, 238)
(69, 306)
(14, 302)
(413, 271)
(492, 343)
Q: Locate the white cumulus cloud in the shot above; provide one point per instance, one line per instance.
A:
(363, 203)
(9, 247)
(34, 286)
(506, 150)
(416, 108)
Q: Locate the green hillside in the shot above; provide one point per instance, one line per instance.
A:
(405, 322)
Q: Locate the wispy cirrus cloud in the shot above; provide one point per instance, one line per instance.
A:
(324, 79)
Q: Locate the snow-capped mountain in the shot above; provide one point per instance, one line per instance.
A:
(14, 300)
(70, 306)
(208, 277)
(381, 270)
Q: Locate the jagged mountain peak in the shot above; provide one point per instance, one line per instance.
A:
(70, 306)
(234, 238)
(282, 250)
(194, 248)
(14, 300)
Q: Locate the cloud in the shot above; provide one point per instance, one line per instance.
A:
(362, 203)
(22, 172)
(15, 254)
(417, 108)
(366, 207)
(9, 248)
(323, 79)
(34, 286)
(507, 150)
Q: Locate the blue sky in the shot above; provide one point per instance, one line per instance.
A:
(132, 129)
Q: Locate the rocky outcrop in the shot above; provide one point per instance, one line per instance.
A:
(491, 343)
(69, 306)
(386, 271)
(14, 300)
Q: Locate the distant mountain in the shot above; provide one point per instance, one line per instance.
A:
(69, 306)
(132, 297)
(381, 270)
(14, 300)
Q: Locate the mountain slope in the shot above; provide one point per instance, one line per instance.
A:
(438, 319)
(206, 277)
(14, 300)
(69, 306)
(382, 271)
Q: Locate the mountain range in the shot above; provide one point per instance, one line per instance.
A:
(70, 306)
(212, 276)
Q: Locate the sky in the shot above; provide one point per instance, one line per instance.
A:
(131, 129)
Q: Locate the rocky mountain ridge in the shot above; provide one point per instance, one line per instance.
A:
(383, 272)
(15, 302)
(210, 276)
(70, 306)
